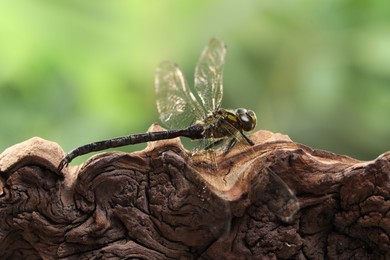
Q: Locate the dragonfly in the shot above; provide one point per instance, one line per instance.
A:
(193, 115)
(198, 115)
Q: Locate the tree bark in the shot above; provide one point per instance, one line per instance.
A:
(166, 203)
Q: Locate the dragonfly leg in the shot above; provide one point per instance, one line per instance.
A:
(213, 144)
(230, 145)
(249, 141)
(233, 141)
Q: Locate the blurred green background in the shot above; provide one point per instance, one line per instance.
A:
(81, 71)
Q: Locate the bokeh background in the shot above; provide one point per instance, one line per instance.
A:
(80, 71)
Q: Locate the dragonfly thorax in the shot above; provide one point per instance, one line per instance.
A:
(223, 122)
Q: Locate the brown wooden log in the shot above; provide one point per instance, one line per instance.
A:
(164, 203)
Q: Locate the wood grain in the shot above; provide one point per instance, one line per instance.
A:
(165, 203)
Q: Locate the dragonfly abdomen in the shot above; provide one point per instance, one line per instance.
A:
(194, 132)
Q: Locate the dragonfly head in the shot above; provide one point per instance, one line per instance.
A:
(247, 119)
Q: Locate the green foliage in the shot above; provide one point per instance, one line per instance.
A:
(81, 71)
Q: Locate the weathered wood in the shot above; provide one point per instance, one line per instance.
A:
(164, 203)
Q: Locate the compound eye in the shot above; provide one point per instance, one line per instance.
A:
(241, 111)
(248, 120)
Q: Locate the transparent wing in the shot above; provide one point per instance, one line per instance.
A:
(277, 195)
(209, 146)
(208, 74)
(279, 198)
(215, 212)
(177, 106)
(233, 137)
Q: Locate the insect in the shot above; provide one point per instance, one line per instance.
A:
(196, 116)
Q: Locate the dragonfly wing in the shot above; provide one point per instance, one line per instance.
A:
(208, 74)
(281, 200)
(278, 196)
(177, 106)
(234, 138)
